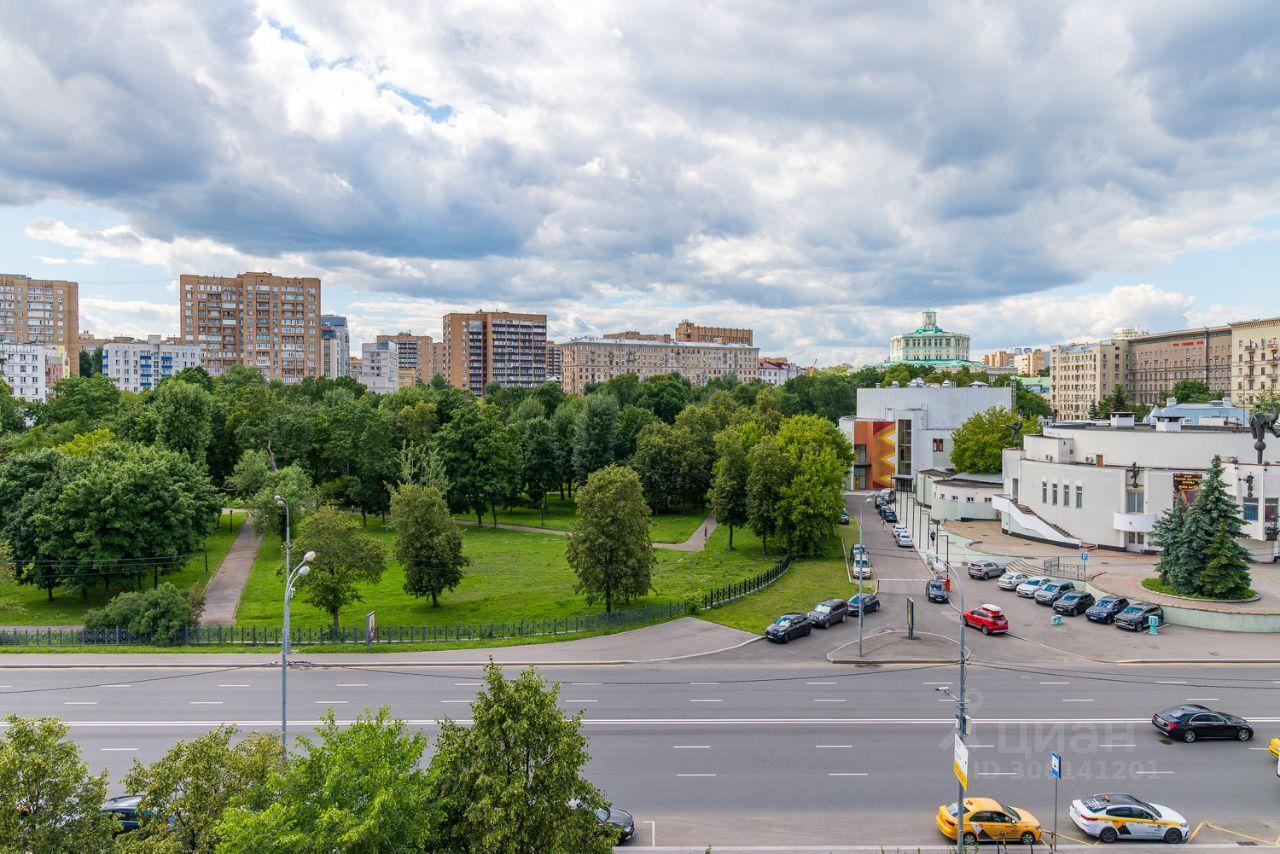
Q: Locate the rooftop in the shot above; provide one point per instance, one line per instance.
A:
(645, 342)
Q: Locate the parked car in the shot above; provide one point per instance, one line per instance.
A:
(936, 591)
(1110, 817)
(125, 810)
(988, 820)
(1053, 591)
(1011, 579)
(862, 566)
(620, 820)
(880, 501)
(844, 516)
(903, 539)
(789, 626)
(989, 619)
(828, 612)
(1106, 609)
(889, 515)
(1191, 722)
(1076, 602)
(858, 549)
(1028, 588)
(984, 569)
(1134, 618)
(870, 602)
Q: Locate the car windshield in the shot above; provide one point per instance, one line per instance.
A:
(822, 609)
(1106, 603)
(953, 809)
(782, 621)
(1014, 814)
(602, 813)
(1133, 609)
(1071, 597)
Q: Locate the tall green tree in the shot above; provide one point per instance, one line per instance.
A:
(978, 444)
(664, 395)
(512, 782)
(11, 419)
(1212, 536)
(1168, 537)
(565, 422)
(768, 479)
(610, 549)
(49, 802)
(1226, 567)
(422, 464)
(427, 544)
(1191, 391)
(82, 402)
(183, 412)
(500, 463)
(542, 463)
(256, 485)
(728, 496)
(813, 502)
(458, 444)
(631, 420)
(595, 435)
(345, 559)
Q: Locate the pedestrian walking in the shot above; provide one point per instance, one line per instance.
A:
(704, 532)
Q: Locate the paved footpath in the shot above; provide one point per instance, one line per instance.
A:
(222, 593)
(697, 540)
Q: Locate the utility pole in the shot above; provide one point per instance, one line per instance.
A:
(292, 574)
(962, 722)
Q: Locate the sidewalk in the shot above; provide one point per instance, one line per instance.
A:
(222, 593)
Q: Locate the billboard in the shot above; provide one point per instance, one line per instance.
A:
(1186, 485)
(875, 451)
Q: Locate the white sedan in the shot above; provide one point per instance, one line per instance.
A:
(1113, 817)
(903, 539)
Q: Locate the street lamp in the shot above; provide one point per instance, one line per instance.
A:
(962, 721)
(296, 573)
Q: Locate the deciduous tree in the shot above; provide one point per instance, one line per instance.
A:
(542, 463)
(728, 496)
(345, 559)
(595, 435)
(610, 549)
(978, 444)
(767, 481)
(427, 544)
(183, 419)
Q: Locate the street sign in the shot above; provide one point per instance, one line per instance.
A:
(1084, 557)
(961, 763)
(1055, 766)
(368, 630)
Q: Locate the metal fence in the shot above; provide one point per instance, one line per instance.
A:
(390, 635)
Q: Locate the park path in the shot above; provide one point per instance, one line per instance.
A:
(697, 540)
(222, 593)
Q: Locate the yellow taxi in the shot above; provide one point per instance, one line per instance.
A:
(1275, 747)
(988, 820)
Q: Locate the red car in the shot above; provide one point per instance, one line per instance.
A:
(988, 618)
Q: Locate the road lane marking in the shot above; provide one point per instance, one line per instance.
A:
(706, 701)
(1260, 748)
(1115, 746)
(847, 774)
(118, 749)
(997, 773)
(205, 702)
(829, 700)
(1077, 699)
(691, 746)
(471, 684)
(331, 702)
(357, 684)
(80, 703)
(834, 746)
(695, 775)
(935, 683)
(573, 683)
(235, 685)
(704, 683)
(972, 745)
(1202, 700)
(1153, 772)
(121, 685)
(1055, 683)
(455, 701)
(576, 702)
(1171, 682)
(821, 683)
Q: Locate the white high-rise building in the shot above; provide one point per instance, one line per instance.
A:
(139, 366)
(335, 346)
(25, 369)
(380, 370)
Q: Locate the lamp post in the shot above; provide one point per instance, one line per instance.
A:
(962, 721)
(292, 574)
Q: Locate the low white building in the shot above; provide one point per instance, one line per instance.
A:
(1107, 483)
(139, 366)
(778, 371)
(26, 369)
(962, 496)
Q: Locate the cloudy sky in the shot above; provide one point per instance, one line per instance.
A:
(1038, 172)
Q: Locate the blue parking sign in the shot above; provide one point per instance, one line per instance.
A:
(1055, 766)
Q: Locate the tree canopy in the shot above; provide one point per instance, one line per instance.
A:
(610, 549)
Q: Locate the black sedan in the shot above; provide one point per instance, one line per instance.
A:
(619, 821)
(870, 603)
(789, 626)
(1106, 609)
(828, 612)
(1191, 723)
(1134, 618)
(1075, 603)
(125, 810)
(936, 591)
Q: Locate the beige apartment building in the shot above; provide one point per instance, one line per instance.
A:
(1255, 360)
(689, 331)
(554, 365)
(417, 353)
(495, 346)
(1023, 360)
(597, 360)
(1083, 374)
(40, 311)
(1157, 361)
(254, 319)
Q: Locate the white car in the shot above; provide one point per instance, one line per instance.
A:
(899, 528)
(1028, 588)
(903, 539)
(1114, 817)
(1011, 579)
(861, 567)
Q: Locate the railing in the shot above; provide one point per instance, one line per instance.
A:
(725, 595)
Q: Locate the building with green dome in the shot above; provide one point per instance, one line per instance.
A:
(932, 346)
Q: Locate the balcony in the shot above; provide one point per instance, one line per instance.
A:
(1138, 523)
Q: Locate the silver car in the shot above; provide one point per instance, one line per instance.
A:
(1028, 588)
(1011, 579)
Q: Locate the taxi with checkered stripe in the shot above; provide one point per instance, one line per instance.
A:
(1275, 747)
(988, 820)
(1111, 817)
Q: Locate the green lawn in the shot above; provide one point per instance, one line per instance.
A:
(24, 605)
(514, 575)
(664, 528)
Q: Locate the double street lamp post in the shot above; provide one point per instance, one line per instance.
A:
(962, 720)
(292, 574)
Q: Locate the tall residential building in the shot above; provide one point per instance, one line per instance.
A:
(597, 360)
(40, 311)
(1255, 360)
(1083, 374)
(495, 346)
(29, 368)
(139, 366)
(1157, 361)
(255, 319)
(931, 345)
(380, 367)
(335, 346)
(554, 363)
(417, 353)
(689, 331)
(1023, 360)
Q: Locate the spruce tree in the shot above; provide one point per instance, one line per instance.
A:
(1168, 536)
(1222, 570)
(1226, 569)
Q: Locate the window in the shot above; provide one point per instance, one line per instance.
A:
(1251, 509)
(1134, 501)
(1079, 496)
(1055, 493)
(937, 446)
(1044, 492)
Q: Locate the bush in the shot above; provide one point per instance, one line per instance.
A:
(155, 616)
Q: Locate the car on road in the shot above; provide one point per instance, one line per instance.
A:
(880, 501)
(862, 566)
(988, 619)
(828, 612)
(1028, 588)
(936, 591)
(789, 626)
(984, 569)
(889, 515)
(1134, 618)
(1074, 603)
(844, 517)
(124, 809)
(1011, 579)
(623, 825)
(988, 820)
(897, 529)
(870, 603)
(903, 539)
(1191, 722)
(1112, 817)
(1052, 591)
(1275, 747)
(1106, 609)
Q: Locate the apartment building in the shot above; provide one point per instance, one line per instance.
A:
(554, 365)
(259, 320)
(599, 359)
(335, 346)
(775, 370)
(139, 366)
(40, 311)
(1157, 361)
(382, 369)
(495, 346)
(689, 331)
(417, 354)
(1255, 360)
(30, 369)
(1083, 374)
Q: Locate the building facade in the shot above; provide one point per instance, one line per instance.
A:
(495, 346)
(381, 369)
(776, 370)
(1083, 374)
(1255, 360)
(599, 359)
(335, 346)
(417, 354)
(554, 363)
(689, 331)
(40, 311)
(28, 368)
(139, 366)
(1023, 360)
(259, 320)
(1157, 361)
(932, 346)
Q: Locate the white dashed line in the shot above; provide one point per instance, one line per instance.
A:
(997, 773)
(80, 703)
(355, 685)
(847, 774)
(935, 683)
(704, 683)
(1077, 699)
(1202, 699)
(467, 684)
(455, 701)
(235, 685)
(1115, 746)
(119, 749)
(122, 685)
(206, 702)
(1153, 772)
(576, 702)
(834, 746)
(691, 746)
(820, 683)
(331, 702)
(1171, 682)
(695, 775)
(829, 700)
(1055, 683)
(706, 701)
(584, 683)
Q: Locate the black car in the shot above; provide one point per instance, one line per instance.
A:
(870, 602)
(1106, 609)
(1075, 603)
(620, 820)
(125, 810)
(936, 591)
(889, 515)
(788, 626)
(1134, 617)
(828, 612)
(1191, 723)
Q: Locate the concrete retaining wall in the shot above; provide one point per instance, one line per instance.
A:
(1198, 618)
